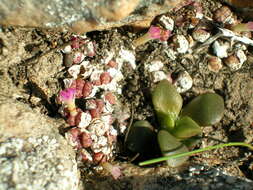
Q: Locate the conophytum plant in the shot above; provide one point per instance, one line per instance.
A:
(179, 127)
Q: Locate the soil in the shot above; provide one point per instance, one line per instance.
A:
(236, 88)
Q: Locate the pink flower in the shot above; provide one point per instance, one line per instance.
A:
(158, 33)
(67, 95)
(154, 32)
(113, 170)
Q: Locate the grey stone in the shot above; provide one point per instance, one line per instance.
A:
(81, 15)
(157, 179)
(33, 155)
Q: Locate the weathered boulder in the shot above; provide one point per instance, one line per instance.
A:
(82, 15)
(33, 155)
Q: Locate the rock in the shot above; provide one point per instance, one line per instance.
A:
(33, 155)
(81, 16)
(197, 177)
(41, 75)
(245, 7)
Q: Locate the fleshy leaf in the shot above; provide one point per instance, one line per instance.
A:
(169, 145)
(206, 109)
(167, 103)
(140, 137)
(185, 128)
(191, 142)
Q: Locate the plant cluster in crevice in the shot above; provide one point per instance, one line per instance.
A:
(179, 128)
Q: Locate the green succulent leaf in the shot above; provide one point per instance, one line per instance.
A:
(167, 121)
(191, 142)
(206, 109)
(185, 128)
(140, 137)
(169, 145)
(167, 103)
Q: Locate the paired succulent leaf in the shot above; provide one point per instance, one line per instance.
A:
(167, 103)
(170, 145)
(140, 137)
(185, 128)
(205, 109)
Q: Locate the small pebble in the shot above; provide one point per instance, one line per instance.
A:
(220, 49)
(214, 64)
(200, 35)
(235, 62)
(78, 57)
(223, 15)
(154, 66)
(181, 43)
(158, 76)
(167, 22)
(183, 82)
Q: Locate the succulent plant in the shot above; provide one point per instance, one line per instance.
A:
(178, 131)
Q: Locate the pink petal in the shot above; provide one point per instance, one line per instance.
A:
(155, 32)
(67, 95)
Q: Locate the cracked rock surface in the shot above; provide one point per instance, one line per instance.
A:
(33, 155)
(81, 15)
